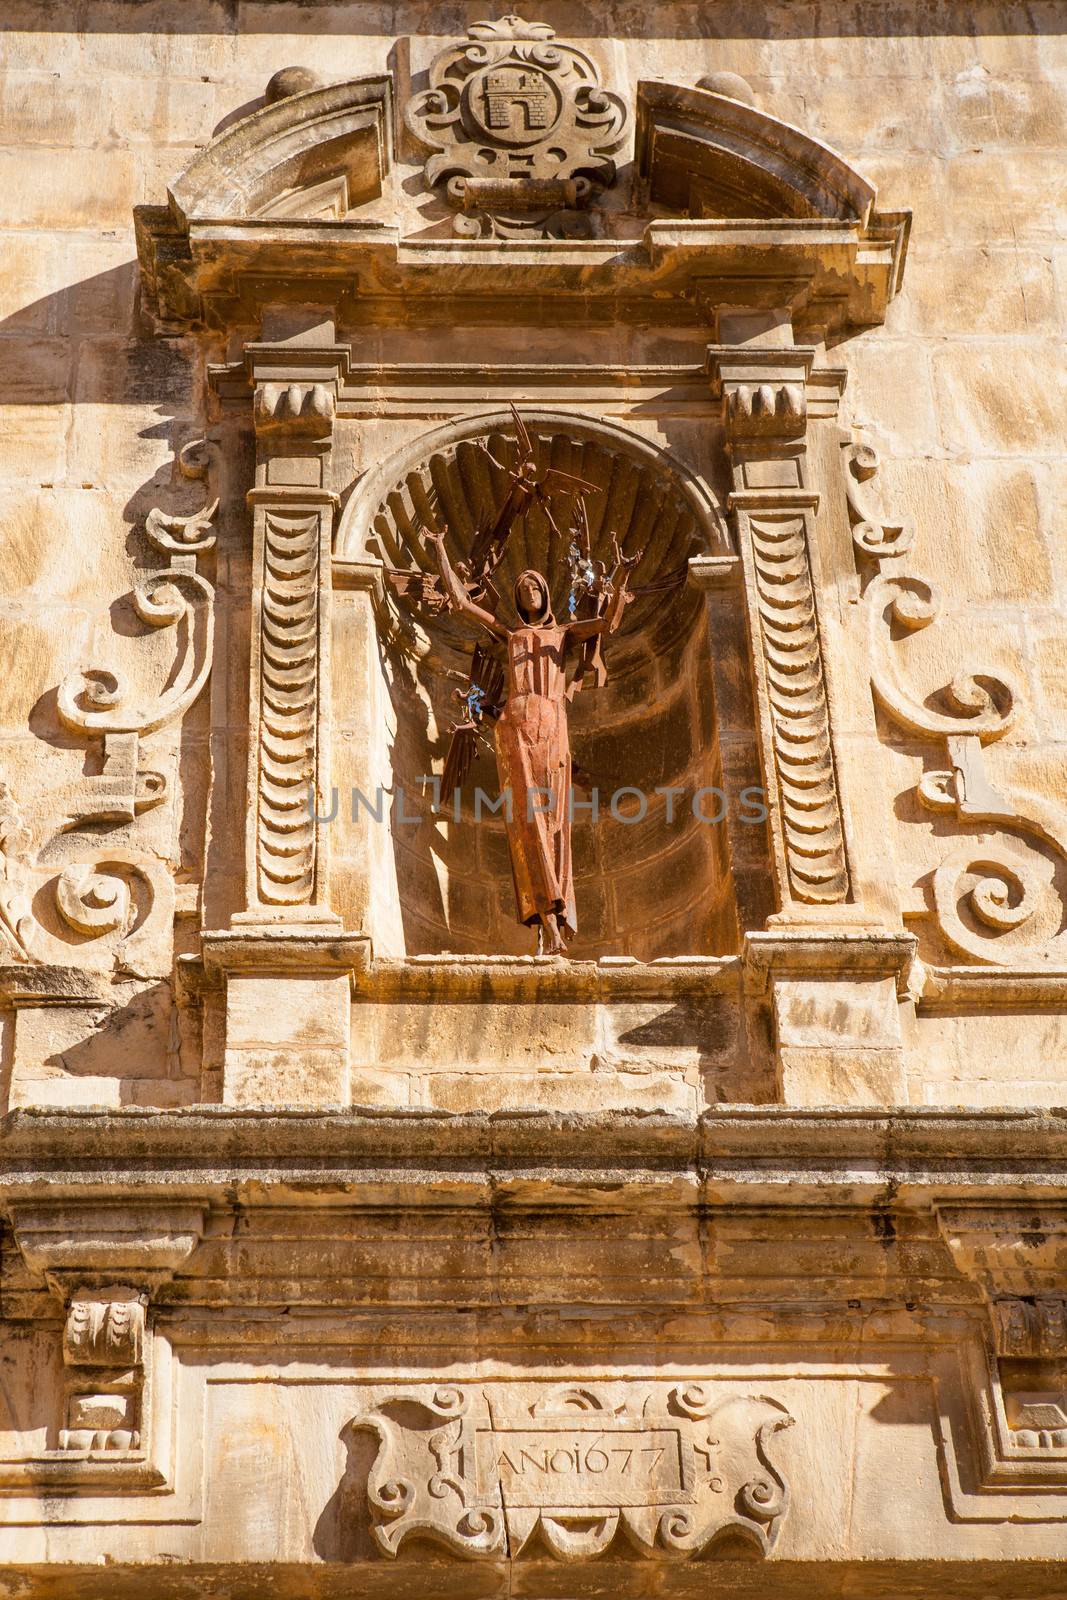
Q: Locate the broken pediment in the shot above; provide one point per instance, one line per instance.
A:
(316, 154)
(282, 202)
(708, 155)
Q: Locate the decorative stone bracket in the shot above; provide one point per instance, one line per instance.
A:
(1017, 1255)
(103, 1350)
(104, 1262)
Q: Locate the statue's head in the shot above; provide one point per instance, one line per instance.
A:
(532, 599)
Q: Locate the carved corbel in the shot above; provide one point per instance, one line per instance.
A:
(104, 1358)
(98, 701)
(1017, 1256)
(995, 898)
(103, 1263)
(762, 390)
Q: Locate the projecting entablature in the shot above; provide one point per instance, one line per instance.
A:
(722, 204)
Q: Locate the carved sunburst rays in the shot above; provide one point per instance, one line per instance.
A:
(463, 486)
(811, 814)
(287, 737)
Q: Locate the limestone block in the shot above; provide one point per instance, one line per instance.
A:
(287, 1040)
(603, 1090)
(34, 451)
(965, 506)
(839, 1042)
(981, 108)
(978, 289)
(1030, 201)
(58, 188)
(894, 383)
(489, 1037)
(981, 412)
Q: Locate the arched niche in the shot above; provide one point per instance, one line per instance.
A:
(647, 888)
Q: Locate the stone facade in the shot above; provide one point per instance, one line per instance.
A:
(348, 1246)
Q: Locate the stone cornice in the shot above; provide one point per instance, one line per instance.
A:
(752, 1155)
(843, 273)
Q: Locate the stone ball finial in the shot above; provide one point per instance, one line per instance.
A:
(730, 84)
(289, 81)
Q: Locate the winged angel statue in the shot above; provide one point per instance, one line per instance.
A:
(522, 678)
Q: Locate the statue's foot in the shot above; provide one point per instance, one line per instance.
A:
(549, 939)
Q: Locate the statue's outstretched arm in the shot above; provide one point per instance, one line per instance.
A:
(458, 598)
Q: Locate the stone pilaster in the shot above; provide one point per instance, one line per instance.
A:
(295, 387)
(286, 973)
(764, 410)
(831, 982)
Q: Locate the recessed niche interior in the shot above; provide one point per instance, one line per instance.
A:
(651, 867)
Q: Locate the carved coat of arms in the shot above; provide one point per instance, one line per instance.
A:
(520, 131)
(483, 1473)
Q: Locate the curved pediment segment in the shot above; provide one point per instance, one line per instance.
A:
(320, 153)
(710, 156)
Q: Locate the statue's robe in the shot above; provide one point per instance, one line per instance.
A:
(534, 763)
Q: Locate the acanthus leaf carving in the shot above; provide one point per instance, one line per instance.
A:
(486, 1473)
(520, 131)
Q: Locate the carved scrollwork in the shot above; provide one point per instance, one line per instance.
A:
(800, 723)
(98, 700)
(988, 890)
(977, 702)
(118, 904)
(574, 1468)
(996, 898)
(870, 534)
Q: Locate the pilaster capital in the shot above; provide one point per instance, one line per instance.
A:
(762, 390)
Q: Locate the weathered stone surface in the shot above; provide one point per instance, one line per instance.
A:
(348, 1246)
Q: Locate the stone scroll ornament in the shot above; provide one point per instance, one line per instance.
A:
(486, 1474)
(98, 701)
(521, 133)
(113, 908)
(995, 896)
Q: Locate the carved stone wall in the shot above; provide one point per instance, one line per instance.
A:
(345, 1245)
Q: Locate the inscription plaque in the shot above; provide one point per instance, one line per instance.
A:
(624, 1468)
(488, 1471)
